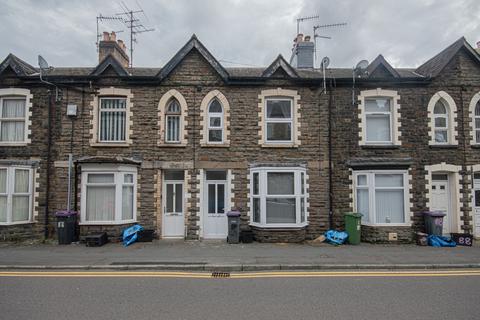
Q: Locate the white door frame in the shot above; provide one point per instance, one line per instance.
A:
(201, 178)
(164, 205)
(476, 186)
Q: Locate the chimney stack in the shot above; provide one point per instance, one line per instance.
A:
(478, 47)
(302, 52)
(111, 46)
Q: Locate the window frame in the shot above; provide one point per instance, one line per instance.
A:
(476, 129)
(215, 115)
(445, 116)
(119, 173)
(300, 194)
(25, 118)
(173, 115)
(290, 120)
(99, 124)
(370, 186)
(10, 193)
(378, 113)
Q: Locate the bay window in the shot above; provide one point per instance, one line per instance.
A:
(112, 119)
(15, 195)
(381, 197)
(278, 197)
(108, 195)
(279, 120)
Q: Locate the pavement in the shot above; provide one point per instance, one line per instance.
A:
(220, 256)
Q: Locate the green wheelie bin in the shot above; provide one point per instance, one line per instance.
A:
(352, 227)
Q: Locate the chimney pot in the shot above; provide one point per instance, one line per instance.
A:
(299, 37)
(111, 46)
(307, 38)
(106, 36)
(478, 44)
(113, 36)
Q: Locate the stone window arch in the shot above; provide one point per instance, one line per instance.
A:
(172, 122)
(442, 112)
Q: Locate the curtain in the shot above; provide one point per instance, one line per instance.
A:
(377, 105)
(281, 109)
(100, 203)
(22, 178)
(13, 108)
(362, 204)
(281, 183)
(127, 203)
(279, 131)
(173, 128)
(378, 128)
(13, 130)
(281, 210)
(20, 208)
(3, 180)
(389, 180)
(3, 208)
(389, 206)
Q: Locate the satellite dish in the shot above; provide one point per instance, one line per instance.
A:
(362, 65)
(325, 63)
(42, 63)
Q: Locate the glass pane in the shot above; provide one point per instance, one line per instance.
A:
(211, 199)
(477, 200)
(217, 175)
(302, 183)
(12, 131)
(441, 122)
(127, 203)
(3, 208)
(20, 208)
(256, 210)
(215, 106)
(255, 183)
(113, 103)
(281, 210)
(441, 136)
(100, 203)
(215, 135)
(440, 108)
(377, 105)
(378, 128)
(220, 198)
(279, 131)
(13, 108)
(281, 109)
(21, 181)
(174, 175)
(477, 123)
(361, 180)
(477, 109)
(389, 206)
(302, 210)
(215, 122)
(440, 177)
(100, 178)
(389, 180)
(362, 204)
(3, 180)
(477, 135)
(169, 202)
(280, 183)
(178, 197)
(173, 107)
(173, 129)
(128, 178)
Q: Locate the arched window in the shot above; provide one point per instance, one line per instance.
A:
(476, 118)
(215, 121)
(441, 121)
(172, 121)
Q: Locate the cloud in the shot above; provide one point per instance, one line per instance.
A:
(253, 33)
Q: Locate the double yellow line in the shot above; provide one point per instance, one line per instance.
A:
(239, 275)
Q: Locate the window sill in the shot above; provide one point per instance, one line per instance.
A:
(280, 145)
(279, 225)
(475, 146)
(213, 145)
(106, 144)
(386, 224)
(172, 145)
(13, 144)
(380, 146)
(106, 223)
(443, 146)
(4, 224)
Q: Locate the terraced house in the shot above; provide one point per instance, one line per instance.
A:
(293, 148)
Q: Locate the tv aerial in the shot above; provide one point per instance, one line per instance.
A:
(316, 35)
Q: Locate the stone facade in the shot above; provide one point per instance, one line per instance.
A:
(194, 74)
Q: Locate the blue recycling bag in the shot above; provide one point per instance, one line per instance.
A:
(336, 237)
(440, 241)
(130, 234)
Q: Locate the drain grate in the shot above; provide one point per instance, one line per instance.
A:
(216, 274)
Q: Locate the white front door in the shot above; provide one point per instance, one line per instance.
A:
(173, 204)
(441, 200)
(476, 209)
(215, 205)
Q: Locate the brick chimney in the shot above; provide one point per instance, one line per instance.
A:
(110, 45)
(302, 52)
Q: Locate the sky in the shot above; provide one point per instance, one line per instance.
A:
(239, 32)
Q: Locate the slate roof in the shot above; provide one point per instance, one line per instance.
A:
(19, 66)
(380, 61)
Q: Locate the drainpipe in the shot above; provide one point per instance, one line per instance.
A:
(330, 171)
(51, 106)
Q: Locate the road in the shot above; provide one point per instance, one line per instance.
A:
(115, 295)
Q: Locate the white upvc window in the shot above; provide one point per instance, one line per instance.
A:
(108, 195)
(15, 195)
(476, 123)
(381, 196)
(13, 119)
(441, 122)
(279, 123)
(278, 197)
(112, 119)
(378, 120)
(215, 122)
(173, 122)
